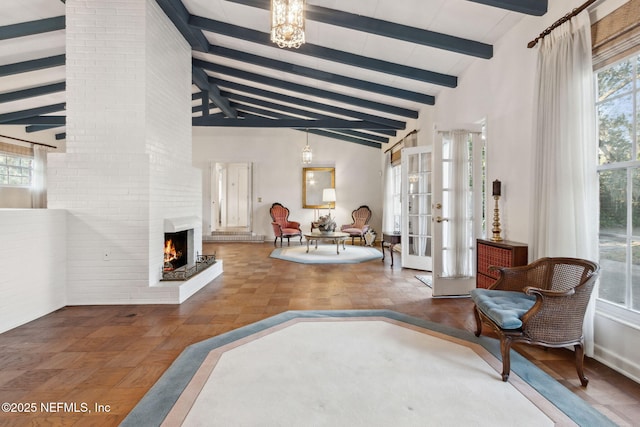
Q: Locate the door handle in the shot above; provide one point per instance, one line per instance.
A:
(439, 219)
(438, 206)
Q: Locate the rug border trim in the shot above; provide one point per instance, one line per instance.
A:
(158, 401)
(277, 254)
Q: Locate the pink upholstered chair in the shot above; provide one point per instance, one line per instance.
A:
(359, 227)
(282, 227)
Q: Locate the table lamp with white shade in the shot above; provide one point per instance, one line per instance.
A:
(329, 196)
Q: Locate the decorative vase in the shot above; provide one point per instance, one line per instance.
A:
(325, 224)
(328, 227)
(369, 237)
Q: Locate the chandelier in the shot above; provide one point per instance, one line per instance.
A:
(307, 155)
(287, 23)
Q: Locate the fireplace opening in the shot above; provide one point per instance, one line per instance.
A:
(175, 250)
(181, 258)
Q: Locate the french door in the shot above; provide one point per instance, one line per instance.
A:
(457, 209)
(442, 208)
(417, 188)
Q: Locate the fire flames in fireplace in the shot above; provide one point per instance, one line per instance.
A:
(170, 255)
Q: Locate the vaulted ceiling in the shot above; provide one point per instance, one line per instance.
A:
(366, 70)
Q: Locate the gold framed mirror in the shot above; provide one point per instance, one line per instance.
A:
(314, 180)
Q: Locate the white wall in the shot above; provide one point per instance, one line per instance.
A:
(277, 172)
(502, 91)
(174, 182)
(33, 257)
(128, 160)
(15, 197)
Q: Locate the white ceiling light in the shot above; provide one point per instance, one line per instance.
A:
(287, 22)
(307, 155)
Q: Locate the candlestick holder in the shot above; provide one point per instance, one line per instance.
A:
(496, 221)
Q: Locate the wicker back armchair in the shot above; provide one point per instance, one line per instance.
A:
(282, 227)
(542, 303)
(360, 225)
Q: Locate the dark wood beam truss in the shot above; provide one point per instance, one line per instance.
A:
(242, 33)
(382, 28)
(32, 65)
(270, 81)
(306, 103)
(322, 75)
(529, 7)
(30, 28)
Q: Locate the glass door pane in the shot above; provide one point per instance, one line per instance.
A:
(417, 180)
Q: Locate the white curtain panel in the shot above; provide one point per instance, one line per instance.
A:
(39, 178)
(565, 188)
(387, 182)
(458, 233)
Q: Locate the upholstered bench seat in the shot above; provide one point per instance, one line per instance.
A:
(504, 308)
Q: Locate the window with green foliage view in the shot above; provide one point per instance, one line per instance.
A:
(618, 111)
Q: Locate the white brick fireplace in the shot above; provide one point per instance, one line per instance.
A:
(189, 227)
(128, 165)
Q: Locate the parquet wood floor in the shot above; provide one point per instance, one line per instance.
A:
(112, 355)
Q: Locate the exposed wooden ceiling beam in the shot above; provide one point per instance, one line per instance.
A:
(321, 75)
(257, 122)
(386, 29)
(276, 115)
(201, 80)
(336, 135)
(32, 27)
(306, 103)
(245, 110)
(529, 7)
(331, 134)
(32, 92)
(39, 128)
(32, 112)
(242, 33)
(32, 65)
(270, 81)
(179, 15)
(280, 111)
(39, 120)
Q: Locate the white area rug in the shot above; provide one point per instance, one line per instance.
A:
(355, 373)
(326, 254)
(354, 368)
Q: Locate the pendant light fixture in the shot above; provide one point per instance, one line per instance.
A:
(307, 155)
(287, 23)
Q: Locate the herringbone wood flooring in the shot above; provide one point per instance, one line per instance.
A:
(112, 355)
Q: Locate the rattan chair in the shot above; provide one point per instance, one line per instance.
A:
(282, 227)
(542, 303)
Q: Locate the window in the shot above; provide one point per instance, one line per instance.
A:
(15, 170)
(618, 111)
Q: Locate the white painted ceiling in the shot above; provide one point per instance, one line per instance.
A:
(461, 18)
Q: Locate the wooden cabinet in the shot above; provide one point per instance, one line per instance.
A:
(501, 254)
